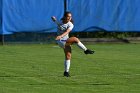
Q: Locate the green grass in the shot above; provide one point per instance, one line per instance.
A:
(114, 68)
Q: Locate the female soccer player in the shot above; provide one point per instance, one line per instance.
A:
(65, 42)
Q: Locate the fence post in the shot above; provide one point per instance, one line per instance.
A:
(65, 5)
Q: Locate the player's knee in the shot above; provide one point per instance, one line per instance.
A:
(68, 44)
(76, 39)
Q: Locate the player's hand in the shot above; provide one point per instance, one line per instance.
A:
(53, 18)
(58, 38)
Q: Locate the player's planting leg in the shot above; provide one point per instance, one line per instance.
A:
(67, 67)
(67, 51)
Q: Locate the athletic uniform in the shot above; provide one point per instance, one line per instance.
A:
(61, 29)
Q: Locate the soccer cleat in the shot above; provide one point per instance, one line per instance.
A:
(66, 74)
(88, 51)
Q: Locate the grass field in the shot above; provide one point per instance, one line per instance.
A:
(114, 68)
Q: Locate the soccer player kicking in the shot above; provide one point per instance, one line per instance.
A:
(65, 42)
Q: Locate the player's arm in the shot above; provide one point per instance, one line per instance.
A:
(58, 24)
(66, 32)
(62, 35)
(55, 20)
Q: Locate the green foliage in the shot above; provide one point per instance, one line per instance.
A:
(30, 37)
(102, 34)
(33, 37)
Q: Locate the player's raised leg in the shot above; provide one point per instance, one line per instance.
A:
(72, 40)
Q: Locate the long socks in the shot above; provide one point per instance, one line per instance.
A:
(81, 46)
(67, 65)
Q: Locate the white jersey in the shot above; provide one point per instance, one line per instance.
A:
(63, 27)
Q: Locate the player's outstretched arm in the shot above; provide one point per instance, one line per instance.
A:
(55, 20)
